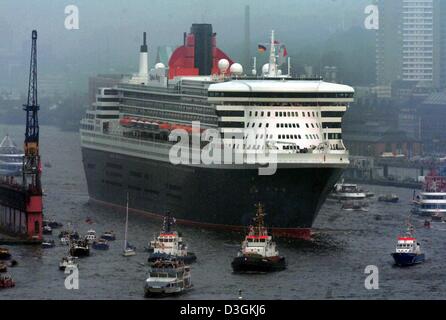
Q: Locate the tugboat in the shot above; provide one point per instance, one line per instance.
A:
(6, 282)
(408, 251)
(167, 277)
(169, 244)
(80, 248)
(109, 236)
(4, 254)
(68, 263)
(258, 253)
(101, 244)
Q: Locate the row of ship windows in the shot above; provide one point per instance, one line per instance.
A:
(88, 127)
(282, 114)
(282, 125)
(282, 104)
(169, 106)
(169, 115)
(284, 95)
(298, 137)
(241, 125)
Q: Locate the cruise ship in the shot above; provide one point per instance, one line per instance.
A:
(283, 134)
(11, 158)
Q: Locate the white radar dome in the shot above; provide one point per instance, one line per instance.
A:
(265, 68)
(160, 66)
(223, 65)
(236, 69)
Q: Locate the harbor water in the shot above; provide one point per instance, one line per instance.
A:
(330, 267)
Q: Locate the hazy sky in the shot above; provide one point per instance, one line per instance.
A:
(110, 30)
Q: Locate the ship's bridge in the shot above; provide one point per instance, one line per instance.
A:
(292, 114)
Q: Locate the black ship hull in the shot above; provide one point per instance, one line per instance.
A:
(245, 264)
(209, 197)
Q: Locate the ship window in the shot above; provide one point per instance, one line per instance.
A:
(263, 114)
(303, 114)
(277, 114)
(260, 125)
(269, 114)
(256, 114)
(267, 125)
(307, 125)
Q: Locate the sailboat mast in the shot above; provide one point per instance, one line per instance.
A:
(126, 222)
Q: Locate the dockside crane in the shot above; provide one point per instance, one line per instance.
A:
(32, 163)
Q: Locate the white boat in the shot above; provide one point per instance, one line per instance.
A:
(128, 249)
(68, 263)
(65, 241)
(167, 278)
(432, 199)
(344, 191)
(168, 244)
(91, 236)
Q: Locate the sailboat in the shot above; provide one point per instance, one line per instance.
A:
(128, 249)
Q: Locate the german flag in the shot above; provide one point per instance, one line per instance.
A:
(262, 48)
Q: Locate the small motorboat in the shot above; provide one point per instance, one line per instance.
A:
(6, 282)
(80, 248)
(166, 278)
(437, 217)
(355, 206)
(65, 241)
(259, 252)
(101, 244)
(47, 230)
(109, 236)
(4, 254)
(53, 224)
(67, 263)
(3, 267)
(389, 198)
(408, 250)
(48, 244)
(168, 244)
(13, 263)
(91, 236)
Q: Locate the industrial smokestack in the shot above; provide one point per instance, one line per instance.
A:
(144, 58)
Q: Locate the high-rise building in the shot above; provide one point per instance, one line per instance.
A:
(411, 42)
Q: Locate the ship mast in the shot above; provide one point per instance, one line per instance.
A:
(272, 72)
